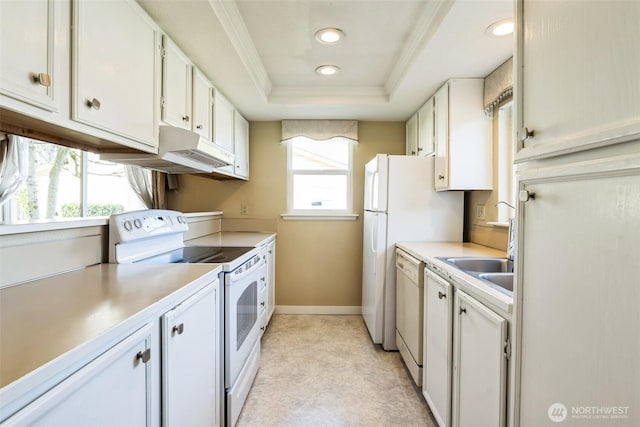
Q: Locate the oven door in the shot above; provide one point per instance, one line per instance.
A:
(242, 328)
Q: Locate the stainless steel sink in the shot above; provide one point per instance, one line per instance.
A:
(482, 265)
(503, 280)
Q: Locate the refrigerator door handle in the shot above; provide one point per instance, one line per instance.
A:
(374, 190)
(373, 246)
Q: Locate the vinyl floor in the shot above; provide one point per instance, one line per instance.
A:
(325, 371)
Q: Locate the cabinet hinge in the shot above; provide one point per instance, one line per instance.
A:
(163, 101)
(507, 349)
(163, 52)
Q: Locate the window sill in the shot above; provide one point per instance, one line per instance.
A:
(498, 224)
(319, 217)
(52, 225)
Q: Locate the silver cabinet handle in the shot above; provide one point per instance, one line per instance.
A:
(94, 103)
(178, 329)
(419, 149)
(525, 134)
(525, 196)
(144, 356)
(440, 177)
(199, 127)
(185, 118)
(441, 295)
(42, 79)
(262, 303)
(462, 310)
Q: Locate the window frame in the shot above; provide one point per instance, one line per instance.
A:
(346, 213)
(507, 171)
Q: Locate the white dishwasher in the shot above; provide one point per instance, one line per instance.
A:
(410, 312)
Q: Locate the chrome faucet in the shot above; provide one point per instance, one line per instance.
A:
(511, 233)
(506, 203)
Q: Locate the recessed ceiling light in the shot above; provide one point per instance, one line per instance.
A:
(328, 70)
(330, 35)
(500, 28)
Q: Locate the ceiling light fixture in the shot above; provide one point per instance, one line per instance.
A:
(327, 70)
(330, 35)
(500, 28)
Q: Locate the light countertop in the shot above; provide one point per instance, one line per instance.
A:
(428, 253)
(232, 238)
(46, 318)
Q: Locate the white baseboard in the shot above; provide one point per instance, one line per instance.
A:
(318, 309)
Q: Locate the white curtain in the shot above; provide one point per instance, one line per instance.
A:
(13, 165)
(320, 130)
(140, 181)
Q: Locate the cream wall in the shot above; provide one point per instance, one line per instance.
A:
(477, 230)
(318, 263)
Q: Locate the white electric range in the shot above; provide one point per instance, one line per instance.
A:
(157, 236)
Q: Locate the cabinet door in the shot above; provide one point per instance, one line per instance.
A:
(28, 52)
(241, 145)
(479, 364)
(271, 279)
(426, 145)
(189, 365)
(223, 122)
(176, 86)
(577, 304)
(576, 88)
(112, 390)
(115, 55)
(411, 128)
(202, 104)
(438, 333)
(441, 132)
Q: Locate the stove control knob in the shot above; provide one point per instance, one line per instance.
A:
(137, 223)
(127, 225)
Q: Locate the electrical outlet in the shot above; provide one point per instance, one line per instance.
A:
(480, 212)
(244, 209)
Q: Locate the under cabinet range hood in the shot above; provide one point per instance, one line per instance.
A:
(179, 151)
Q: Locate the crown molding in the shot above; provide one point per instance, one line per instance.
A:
(234, 26)
(428, 23)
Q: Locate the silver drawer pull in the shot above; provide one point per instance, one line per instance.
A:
(144, 356)
(42, 79)
(178, 329)
(462, 310)
(94, 103)
(441, 295)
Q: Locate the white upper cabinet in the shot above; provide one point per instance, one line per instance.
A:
(578, 79)
(223, 122)
(176, 86)
(202, 104)
(463, 145)
(241, 144)
(27, 43)
(411, 135)
(426, 145)
(116, 49)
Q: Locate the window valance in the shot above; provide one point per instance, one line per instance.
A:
(320, 130)
(498, 86)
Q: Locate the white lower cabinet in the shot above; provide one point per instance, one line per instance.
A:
(112, 390)
(438, 329)
(465, 364)
(479, 364)
(190, 368)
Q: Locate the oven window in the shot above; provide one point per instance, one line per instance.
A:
(247, 310)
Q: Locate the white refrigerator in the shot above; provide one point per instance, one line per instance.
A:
(400, 204)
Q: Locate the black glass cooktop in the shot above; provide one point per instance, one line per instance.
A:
(199, 254)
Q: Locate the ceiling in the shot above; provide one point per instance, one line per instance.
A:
(262, 54)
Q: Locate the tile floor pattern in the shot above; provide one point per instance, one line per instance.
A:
(325, 371)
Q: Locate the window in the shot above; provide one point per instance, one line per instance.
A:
(506, 172)
(68, 183)
(320, 176)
